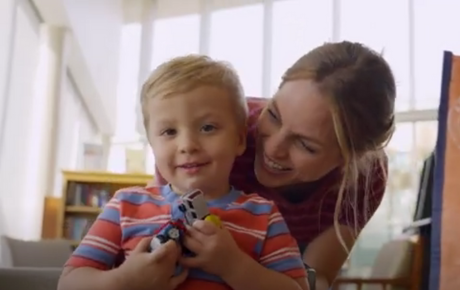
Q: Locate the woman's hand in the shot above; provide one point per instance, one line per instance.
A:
(215, 250)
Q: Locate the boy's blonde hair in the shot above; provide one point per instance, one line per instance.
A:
(186, 73)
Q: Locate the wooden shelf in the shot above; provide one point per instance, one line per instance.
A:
(83, 209)
(64, 220)
(107, 177)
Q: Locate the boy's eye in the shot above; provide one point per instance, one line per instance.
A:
(208, 128)
(169, 132)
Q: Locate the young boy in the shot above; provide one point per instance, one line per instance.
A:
(195, 117)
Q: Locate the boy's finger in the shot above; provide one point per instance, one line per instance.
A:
(205, 227)
(179, 279)
(190, 262)
(166, 250)
(196, 234)
(143, 245)
(192, 244)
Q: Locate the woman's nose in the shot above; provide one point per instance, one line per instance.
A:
(276, 146)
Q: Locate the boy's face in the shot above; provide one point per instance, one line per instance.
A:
(195, 138)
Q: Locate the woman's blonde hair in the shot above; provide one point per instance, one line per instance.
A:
(186, 73)
(360, 87)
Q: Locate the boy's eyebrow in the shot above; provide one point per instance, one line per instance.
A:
(162, 122)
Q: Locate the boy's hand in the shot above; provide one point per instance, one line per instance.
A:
(155, 270)
(215, 250)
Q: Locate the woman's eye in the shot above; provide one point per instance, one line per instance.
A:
(169, 132)
(208, 128)
(272, 114)
(307, 147)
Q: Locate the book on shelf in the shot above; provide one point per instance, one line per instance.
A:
(75, 228)
(87, 194)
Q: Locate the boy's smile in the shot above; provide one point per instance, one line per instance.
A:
(193, 167)
(195, 138)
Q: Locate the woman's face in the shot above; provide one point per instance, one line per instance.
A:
(296, 138)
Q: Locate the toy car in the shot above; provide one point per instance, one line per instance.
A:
(194, 207)
(172, 230)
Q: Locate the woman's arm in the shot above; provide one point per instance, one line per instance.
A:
(326, 255)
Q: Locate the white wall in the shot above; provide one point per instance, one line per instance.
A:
(44, 113)
(95, 31)
(6, 32)
(96, 27)
(76, 127)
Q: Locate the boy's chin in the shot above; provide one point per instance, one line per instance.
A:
(208, 186)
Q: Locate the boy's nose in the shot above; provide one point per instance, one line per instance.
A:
(189, 145)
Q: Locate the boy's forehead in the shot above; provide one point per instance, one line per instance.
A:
(197, 104)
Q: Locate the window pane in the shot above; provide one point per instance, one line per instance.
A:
(397, 208)
(402, 178)
(117, 161)
(426, 134)
(130, 49)
(296, 31)
(368, 22)
(175, 37)
(150, 160)
(237, 37)
(435, 25)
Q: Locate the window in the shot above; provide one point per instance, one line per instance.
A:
(175, 37)
(369, 22)
(128, 83)
(150, 160)
(127, 97)
(296, 30)
(410, 145)
(237, 37)
(435, 23)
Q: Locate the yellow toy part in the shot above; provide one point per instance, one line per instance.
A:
(214, 219)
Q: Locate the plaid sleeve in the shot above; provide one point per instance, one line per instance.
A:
(101, 246)
(280, 251)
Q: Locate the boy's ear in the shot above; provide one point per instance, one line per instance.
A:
(242, 137)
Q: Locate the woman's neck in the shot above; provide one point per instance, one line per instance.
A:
(299, 192)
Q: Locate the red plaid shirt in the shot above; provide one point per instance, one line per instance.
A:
(311, 211)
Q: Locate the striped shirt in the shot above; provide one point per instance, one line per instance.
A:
(309, 208)
(132, 214)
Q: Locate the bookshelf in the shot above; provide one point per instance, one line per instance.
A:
(83, 197)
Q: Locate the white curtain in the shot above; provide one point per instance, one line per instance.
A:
(17, 130)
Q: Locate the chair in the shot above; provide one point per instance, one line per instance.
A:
(397, 267)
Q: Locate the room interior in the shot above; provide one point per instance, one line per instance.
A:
(71, 130)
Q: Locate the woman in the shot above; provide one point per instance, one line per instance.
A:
(315, 149)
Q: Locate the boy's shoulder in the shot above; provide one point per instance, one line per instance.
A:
(254, 203)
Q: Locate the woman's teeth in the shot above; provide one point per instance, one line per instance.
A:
(273, 165)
